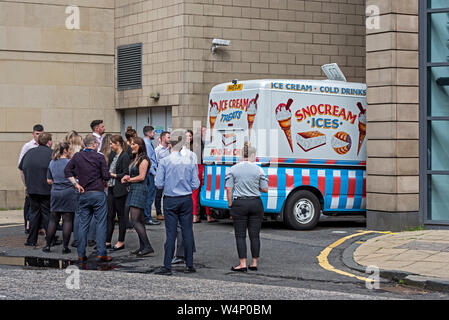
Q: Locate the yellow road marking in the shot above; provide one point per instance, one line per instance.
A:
(324, 262)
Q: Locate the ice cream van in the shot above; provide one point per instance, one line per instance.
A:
(310, 137)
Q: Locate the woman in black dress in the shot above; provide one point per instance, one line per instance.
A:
(138, 193)
(64, 197)
(117, 192)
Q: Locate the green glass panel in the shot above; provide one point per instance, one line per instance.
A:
(438, 145)
(438, 38)
(438, 198)
(438, 4)
(438, 92)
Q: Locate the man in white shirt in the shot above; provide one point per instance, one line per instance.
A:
(37, 130)
(98, 129)
(162, 151)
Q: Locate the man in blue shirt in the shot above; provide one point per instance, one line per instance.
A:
(177, 174)
(148, 132)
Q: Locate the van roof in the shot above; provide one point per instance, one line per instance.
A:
(293, 85)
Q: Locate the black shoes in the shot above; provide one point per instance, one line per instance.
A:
(28, 244)
(66, 250)
(115, 248)
(239, 269)
(145, 252)
(252, 268)
(74, 244)
(46, 249)
(189, 270)
(163, 271)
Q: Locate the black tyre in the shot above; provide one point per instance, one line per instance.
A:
(302, 210)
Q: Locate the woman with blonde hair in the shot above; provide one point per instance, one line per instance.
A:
(75, 142)
(64, 198)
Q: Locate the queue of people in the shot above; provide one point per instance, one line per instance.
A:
(91, 182)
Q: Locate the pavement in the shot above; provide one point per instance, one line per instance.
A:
(11, 217)
(415, 258)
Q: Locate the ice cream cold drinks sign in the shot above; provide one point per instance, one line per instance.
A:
(312, 120)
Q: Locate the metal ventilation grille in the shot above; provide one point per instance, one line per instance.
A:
(129, 67)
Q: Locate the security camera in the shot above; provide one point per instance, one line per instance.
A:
(216, 43)
(221, 42)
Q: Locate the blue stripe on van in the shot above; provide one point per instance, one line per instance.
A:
(344, 185)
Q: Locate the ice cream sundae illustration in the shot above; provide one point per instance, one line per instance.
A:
(362, 126)
(284, 116)
(251, 112)
(213, 113)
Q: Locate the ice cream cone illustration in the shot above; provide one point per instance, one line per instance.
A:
(362, 126)
(251, 112)
(284, 117)
(213, 113)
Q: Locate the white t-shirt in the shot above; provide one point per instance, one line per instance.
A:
(26, 147)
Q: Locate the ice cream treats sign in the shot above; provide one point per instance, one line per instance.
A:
(229, 117)
(321, 127)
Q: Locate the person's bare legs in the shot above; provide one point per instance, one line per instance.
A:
(254, 262)
(242, 264)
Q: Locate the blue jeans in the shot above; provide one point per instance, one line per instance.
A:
(178, 209)
(91, 235)
(150, 200)
(92, 204)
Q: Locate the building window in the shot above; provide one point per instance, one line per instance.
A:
(129, 67)
(434, 118)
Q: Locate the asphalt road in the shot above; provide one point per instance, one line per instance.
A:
(288, 269)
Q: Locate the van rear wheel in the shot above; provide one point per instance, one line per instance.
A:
(302, 210)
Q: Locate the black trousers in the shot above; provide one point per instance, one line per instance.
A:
(247, 214)
(26, 210)
(116, 206)
(39, 214)
(158, 201)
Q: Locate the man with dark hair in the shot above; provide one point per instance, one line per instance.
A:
(37, 130)
(148, 132)
(33, 168)
(98, 129)
(90, 168)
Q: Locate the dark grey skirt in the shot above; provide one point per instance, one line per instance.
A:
(64, 200)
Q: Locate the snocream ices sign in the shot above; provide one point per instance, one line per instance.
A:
(320, 126)
(292, 120)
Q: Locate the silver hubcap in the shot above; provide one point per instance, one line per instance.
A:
(304, 211)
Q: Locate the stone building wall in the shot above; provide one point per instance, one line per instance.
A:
(60, 78)
(392, 62)
(269, 39)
